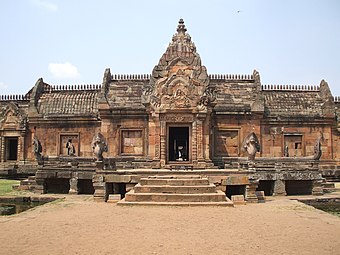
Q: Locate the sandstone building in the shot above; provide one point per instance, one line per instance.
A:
(178, 118)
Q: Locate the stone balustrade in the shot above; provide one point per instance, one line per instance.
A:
(72, 87)
(125, 77)
(290, 87)
(14, 97)
(231, 76)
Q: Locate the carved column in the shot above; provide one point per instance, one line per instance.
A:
(194, 142)
(279, 188)
(199, 133)
(206, 136)
(21, 147)
(163, 143)
(2, 149)
(157, 139)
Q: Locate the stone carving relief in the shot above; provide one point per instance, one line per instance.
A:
(179, 81)
(177, 118)
(99, 146)
(12, 117)
(251, 145)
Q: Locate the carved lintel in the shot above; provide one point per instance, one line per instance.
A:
(177, 117)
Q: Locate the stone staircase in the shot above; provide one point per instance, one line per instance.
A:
(329, 187)
(175, 190)
(28, 184)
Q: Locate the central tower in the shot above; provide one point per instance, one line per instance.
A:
(179, 102)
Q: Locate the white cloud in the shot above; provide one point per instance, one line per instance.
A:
(3, 86)
(46, 5)
(63, 71)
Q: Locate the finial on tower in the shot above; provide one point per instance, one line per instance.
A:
(181, 27)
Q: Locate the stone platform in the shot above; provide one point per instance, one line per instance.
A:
(177, 190)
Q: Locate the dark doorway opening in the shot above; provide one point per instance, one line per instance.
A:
(178, 149)
(267, 186)
(115, 188)
(57, 185)
(85, 186)
(299, 187)
(235, 190)
(12, 148)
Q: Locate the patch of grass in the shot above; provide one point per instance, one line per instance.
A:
(6, 186)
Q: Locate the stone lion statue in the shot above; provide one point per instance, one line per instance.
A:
(99, 146)
(251, 145)
(37, 148)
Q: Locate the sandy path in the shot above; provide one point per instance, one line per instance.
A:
(80, 226)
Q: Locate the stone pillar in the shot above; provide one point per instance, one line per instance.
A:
(250, 192)
(73, 186)
(206, 139)
(163, 143)
(154, 140)
(2, 149)
(199, 140)
(279, 188)
(317, 188)
(99, 187)
(21, 147)
(194, 142)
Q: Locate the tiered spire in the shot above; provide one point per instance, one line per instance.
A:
(181, 27)
(180, 46)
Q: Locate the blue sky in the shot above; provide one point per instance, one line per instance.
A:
(73, 41)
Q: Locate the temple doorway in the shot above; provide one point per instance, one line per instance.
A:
(178, 144)
(11, 148)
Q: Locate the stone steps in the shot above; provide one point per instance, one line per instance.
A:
(188, 190)
(329, 187)
(185, 181)
(125, 203)
(210, 188)
(131, 196)
(27, 184)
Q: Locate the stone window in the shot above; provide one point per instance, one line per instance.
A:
(294, 145)
(132, 142)
(227, 143)
(69, 144)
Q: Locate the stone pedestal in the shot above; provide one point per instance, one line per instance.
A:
(279, 188)
(251, 189)
(99, 187)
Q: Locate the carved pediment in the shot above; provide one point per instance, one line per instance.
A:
(179, 81)
(11, 117)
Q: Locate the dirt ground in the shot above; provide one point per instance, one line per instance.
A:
(77, 225)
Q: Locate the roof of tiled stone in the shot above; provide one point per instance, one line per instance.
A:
(293, 103)
(234, 96)
(64, 102)
(126, 93)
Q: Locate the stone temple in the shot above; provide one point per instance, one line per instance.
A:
(177, 122)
